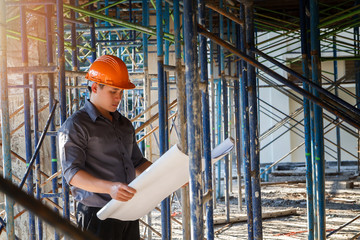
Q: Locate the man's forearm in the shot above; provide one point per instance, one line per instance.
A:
(117, 190)
(142, 167)
(88, 182)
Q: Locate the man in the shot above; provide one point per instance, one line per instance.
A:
(98, 151)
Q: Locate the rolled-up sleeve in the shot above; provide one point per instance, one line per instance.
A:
(137, 157)
(72, 146)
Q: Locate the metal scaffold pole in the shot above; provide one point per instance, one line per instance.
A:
(225, 117)
(338, 138)
(193, 97)
(318, 119)
(245, 128)
(147, 93)
(62, 92)
(237, 113)
(307, 129)
(212, 89)
(357, 72)
(253, 124)
(206, 124)
(50, 61)
(181, 98)
(5, 125)
(27, 134)
(36, 141)
(165, 204)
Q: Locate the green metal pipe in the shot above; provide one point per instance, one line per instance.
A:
(132, 26)
(342, 16)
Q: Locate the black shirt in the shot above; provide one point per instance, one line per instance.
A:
(105, 149)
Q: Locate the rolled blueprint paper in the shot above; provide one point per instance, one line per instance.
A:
(162, 178)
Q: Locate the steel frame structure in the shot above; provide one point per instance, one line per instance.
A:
(89, 29)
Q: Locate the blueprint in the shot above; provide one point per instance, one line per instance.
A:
(162, 178)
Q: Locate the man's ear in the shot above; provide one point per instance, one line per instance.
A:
(94, 87)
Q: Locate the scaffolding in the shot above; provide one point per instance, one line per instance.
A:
(243, 42)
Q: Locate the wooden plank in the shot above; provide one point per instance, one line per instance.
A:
(265, 215)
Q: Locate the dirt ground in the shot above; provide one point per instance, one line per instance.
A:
(342, 205)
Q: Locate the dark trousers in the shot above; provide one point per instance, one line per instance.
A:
(108, 229)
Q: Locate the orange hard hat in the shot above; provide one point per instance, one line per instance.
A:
(110, 70)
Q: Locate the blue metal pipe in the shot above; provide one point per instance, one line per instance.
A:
(27, 116)
(307, 129)
(357, 71)
(245, 128)
(318, 118)
(50, 60)
(62, 91)
(338, 139)
(206, 123)
(193, 120)
(213, 115)
(225, 116)
(236, 39)
(36, 141)
(337, 102)
(253, 124)
(166, 61)
(218, 124)
(353, 120)
(145, 17)
(5, 124)
(92, 35)
(165, 204)
(73, 38)
(74, 55)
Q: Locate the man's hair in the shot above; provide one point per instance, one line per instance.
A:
(90, 83)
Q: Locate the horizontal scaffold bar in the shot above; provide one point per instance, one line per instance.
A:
(132, 26)
(27, 3)
(32, 70)
(340, 112)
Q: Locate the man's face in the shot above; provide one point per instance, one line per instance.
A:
(109, 97)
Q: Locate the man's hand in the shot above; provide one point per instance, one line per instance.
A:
(121, 192)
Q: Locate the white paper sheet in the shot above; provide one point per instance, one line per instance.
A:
(166, 175)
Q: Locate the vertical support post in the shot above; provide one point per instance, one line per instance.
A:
(62, 91)
(147, 85)
(253, 123)
(5, 124)
(318, 119)
(307, 129)
(50, 60)
(245, 128)
(218, 127)
(74, 56)
(92, 35)
(357, 73)
(181, 98)
(338, 139)
(165, 102)
(166, 61)
(162, 112)
(27, 116)
(225, 115)
(238, 117)
(193, 119)
(37, 161)
(206, 122)
(213, 113)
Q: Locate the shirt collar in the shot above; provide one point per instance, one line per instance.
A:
(94, 113)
